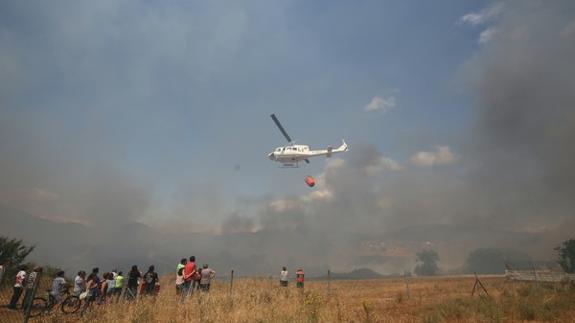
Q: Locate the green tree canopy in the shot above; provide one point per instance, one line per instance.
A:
(13, 252)
(427, 263)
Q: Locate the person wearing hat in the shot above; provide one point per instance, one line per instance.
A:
(299, 277)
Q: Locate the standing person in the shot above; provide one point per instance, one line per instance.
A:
(119, 284)
(18, 287)
(150, 280)
(206, 276)
(284, 277)
(133, 279)
(299, 277)
(103, 288)
(189, 277)
(180, 275)
(58, 287)
(111, 283)
(80, 283)
(92, 285)
(30, 281)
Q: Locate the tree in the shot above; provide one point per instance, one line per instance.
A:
(427, 263)
(567, 256)
(13, 252)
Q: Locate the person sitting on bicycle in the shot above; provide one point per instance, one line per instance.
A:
(58, 286)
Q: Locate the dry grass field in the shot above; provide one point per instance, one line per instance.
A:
(441, 299)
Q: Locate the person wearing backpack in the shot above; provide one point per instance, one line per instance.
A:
(150, 280)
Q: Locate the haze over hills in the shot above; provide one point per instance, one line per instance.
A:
(356, 274)
(77, 246)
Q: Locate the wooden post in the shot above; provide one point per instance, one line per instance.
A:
(328, 283)
(231, 282)
(535, 274)
(480, 284)
(407, 292)
(31, 298)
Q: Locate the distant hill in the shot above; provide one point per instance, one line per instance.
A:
(360, 273)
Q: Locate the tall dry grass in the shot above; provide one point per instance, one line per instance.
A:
(430, 300)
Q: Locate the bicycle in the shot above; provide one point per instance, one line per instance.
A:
(71, 304)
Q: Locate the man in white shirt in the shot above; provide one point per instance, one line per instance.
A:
(284, 277)
(80, 283)
(18, 287)
(112, 282)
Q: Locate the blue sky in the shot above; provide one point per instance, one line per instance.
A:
(177, 93)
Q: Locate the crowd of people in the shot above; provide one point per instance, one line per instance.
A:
(92, 287)
(110, 287)
(189, 277)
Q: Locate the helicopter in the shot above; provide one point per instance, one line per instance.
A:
(290, 156)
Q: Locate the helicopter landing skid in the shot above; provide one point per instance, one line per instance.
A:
(290, 165)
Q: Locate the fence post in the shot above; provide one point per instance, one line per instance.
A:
(28, 304)
(328, 283)
(231, 282)
(407, 285)
(535, 274)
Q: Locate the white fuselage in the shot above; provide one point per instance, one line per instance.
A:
(290, 154)
(293, 154)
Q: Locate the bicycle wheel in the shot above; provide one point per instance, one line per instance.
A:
(71, 304)
(39, 305)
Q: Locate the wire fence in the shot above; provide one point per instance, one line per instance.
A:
(538, 275)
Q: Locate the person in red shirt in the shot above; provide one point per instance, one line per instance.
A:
(299, 276)
(190, 273)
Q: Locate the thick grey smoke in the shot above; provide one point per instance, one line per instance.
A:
(525, 120)
(514, 188)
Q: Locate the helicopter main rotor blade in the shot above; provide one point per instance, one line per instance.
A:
(277, 122)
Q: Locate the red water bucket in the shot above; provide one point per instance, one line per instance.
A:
(310, 181)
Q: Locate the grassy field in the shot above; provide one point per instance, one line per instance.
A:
(441, 299)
